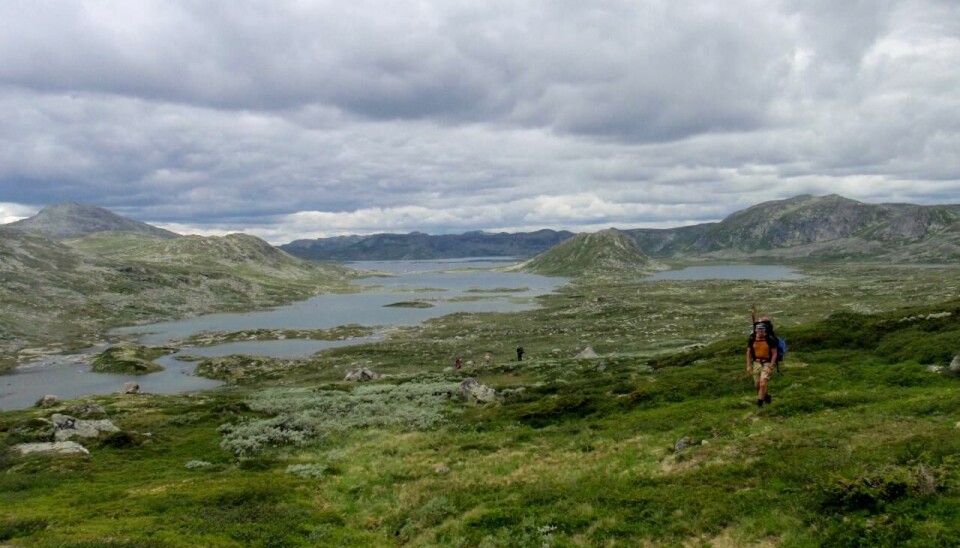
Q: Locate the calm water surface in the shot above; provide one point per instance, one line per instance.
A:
(471, 288)
(70, 376)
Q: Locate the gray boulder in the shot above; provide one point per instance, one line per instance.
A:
(683, 444)
(131, 388)
(475, 392)
(66, 427)
(86, 409)
(361, 375)
(955, 364)
(59, 448)
(48, 401)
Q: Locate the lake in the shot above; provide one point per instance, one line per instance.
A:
(464, 285)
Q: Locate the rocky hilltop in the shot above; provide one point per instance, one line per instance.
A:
(57, 294)
(604, 253)
(829, 227)
(74, 220)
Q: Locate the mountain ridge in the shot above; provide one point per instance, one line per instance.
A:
(75, 220)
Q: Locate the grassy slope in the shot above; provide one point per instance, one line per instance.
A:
(56, 296)
(859, 448)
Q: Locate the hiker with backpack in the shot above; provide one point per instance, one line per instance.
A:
(762, 349)
(765, 351)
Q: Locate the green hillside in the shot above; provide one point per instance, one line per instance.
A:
(646, 445)
(819, 227)
(606, 253)
(55, 296)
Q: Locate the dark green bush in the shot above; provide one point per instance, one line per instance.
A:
(873, 490)
(21, 527)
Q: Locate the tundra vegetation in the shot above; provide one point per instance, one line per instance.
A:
(657, 441)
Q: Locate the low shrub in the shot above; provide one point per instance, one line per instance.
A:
(21, 527)
(301, 415)
(872, 490)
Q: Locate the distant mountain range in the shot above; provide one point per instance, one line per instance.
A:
(827, 227)
(417, 245)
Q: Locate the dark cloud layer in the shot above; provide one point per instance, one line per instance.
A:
(292, 119)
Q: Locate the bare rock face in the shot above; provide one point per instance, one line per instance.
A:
(66, 427)
(475, 392)
(131, 388)
(361, 375)
(59, 448)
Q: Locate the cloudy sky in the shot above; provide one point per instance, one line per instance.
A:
(302, 119)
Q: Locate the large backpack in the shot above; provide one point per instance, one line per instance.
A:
(781, 344)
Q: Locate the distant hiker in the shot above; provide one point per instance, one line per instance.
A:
(761, 357)
(458, 363)
(519, 353)
(487, 358)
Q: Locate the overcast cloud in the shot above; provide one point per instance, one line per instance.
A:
(297, 119)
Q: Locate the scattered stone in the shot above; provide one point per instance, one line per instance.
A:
(66, 427)
(601, 366)
(587, 353)
(361, 375)
(131, 388)
(683, 444)
(442, 470)
(934, 368)
(194, 464)
(48, 401)
(88, 408)
(60, 448)
(475, 392)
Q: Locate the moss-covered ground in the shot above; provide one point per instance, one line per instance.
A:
(656, 442)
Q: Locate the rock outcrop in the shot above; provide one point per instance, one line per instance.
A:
(475, 392)
(66, 427)
(361, 375)
(59, 448)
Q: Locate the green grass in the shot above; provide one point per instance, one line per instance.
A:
(859, 448)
